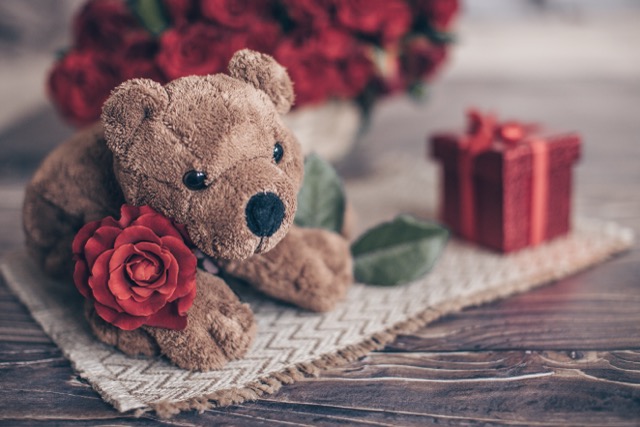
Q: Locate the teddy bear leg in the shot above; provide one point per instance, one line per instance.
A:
(220, 328)
(133, 343)
(311, 268)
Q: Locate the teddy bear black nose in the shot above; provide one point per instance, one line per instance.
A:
(265, 212)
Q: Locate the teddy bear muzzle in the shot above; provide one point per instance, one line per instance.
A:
(264, 214)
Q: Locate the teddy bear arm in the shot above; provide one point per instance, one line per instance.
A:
(220, 328)
(311, 268)
(73, 186)
(49, 231)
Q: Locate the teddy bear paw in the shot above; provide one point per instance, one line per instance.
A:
(220, 328)
(326, 272)
(133, 343)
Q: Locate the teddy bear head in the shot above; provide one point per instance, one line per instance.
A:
(212, 153)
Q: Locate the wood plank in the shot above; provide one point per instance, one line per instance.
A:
(598, 309)
(503, 388)
(495, 387)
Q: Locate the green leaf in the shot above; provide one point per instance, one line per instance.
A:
(397, 252)
(439, 37)
(61, 53)
(321, 200)
(151, 14)
(419, 91)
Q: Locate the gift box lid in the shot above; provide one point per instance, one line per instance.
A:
(493, 163)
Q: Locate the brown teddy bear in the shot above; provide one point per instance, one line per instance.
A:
(211, 153)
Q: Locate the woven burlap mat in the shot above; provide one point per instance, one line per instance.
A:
(292, 343)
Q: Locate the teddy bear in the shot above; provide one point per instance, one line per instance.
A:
(211, 153)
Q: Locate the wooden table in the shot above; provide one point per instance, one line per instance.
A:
(567, 353)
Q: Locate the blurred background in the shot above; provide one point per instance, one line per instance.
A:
(570, 64)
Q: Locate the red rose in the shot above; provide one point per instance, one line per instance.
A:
(308, 13)
(179, 11)
(349, 56)
(439, 13)
(314, 77)
(79, 84)
(332, 43)
(198, 48)
(325, 63)
(387, 20)
(421, 59)
(137, 58)
(103, 24)
(240, 14)
(263, 36)
(357, 70)
(143, 69)
(138, 270)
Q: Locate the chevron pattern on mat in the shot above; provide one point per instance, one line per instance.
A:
(465, 275)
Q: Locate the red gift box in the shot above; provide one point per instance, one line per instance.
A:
(505, 186)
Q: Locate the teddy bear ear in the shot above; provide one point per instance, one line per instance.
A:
(131, 103)
(264, 73)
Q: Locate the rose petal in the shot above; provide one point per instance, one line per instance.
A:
(144, 271)
(120, 256)
(136, 234)
(159, 282)
(186, 282)
(121, 320)
(146, 308)
(98, 281)
(81, 278)
(146, 209)
(163, 257)
(167, 318)
(182, 229)
(119, 284)
(81, 237)
(160, 225)
(127, 214)
(132, 261)
(179, 250)
(171, 283)
(101, 240)
(144, 267)
(138, 299)
(186, 259)
(105, 312)
(149, 249)
(185, 303)
(141, 292)
(109, 222)
(187, 262)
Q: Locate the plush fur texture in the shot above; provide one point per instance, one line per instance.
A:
(151, 135)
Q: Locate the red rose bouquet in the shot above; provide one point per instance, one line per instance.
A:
(138, 270)
(356, 49)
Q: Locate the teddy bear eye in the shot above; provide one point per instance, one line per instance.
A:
(278, 152)
(195, 180)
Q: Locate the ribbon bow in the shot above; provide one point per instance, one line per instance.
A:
(483, 130)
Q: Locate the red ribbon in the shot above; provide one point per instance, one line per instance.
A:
(482, 132)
